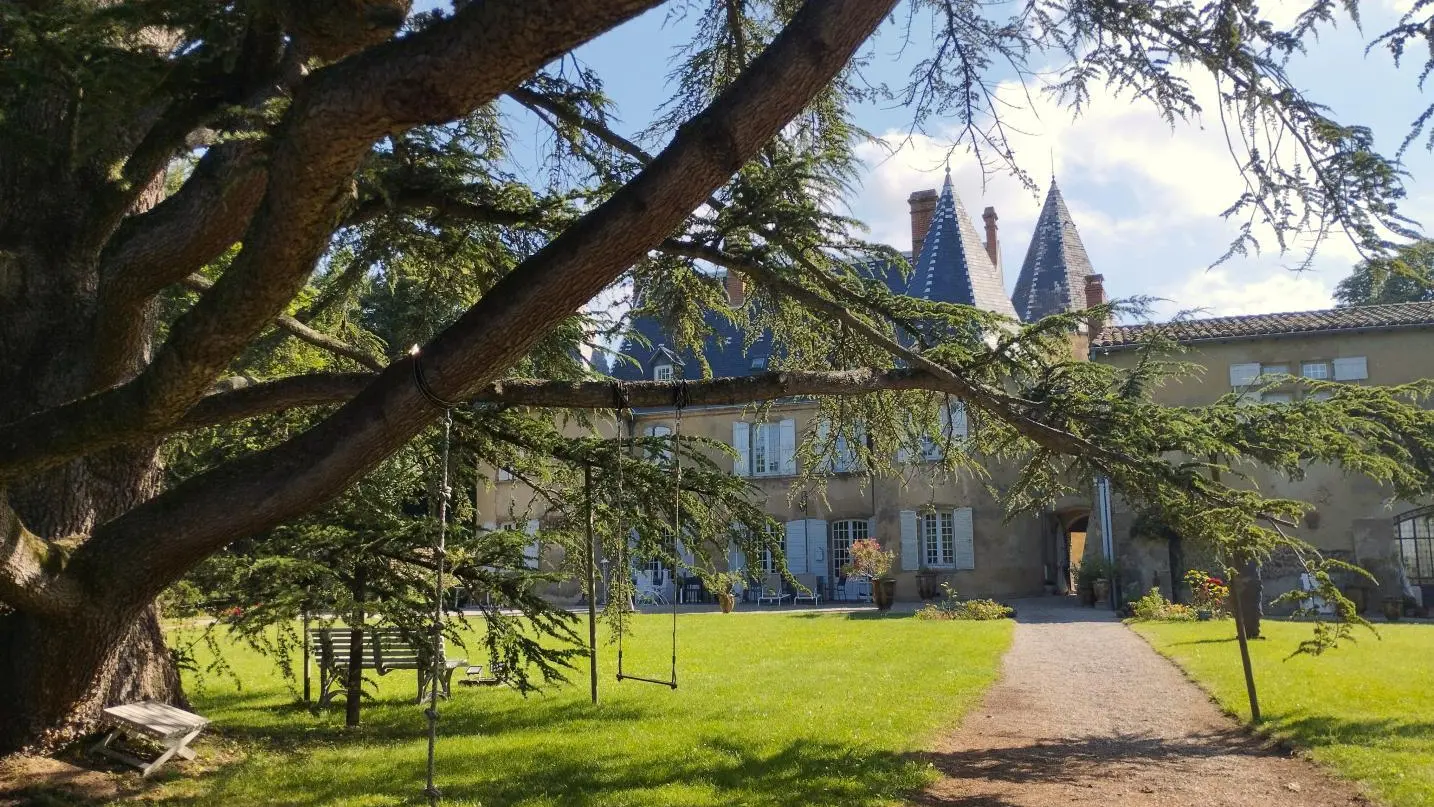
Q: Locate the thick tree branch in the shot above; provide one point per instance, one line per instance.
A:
(337, 114)
(323, 341)
(30, 568)
(1014, 411)
(149, 546)
(239, 399)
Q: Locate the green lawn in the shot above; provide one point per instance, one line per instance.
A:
(773, 709)
(1366, 710)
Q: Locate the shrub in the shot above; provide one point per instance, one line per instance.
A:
(1209, 591)
(951, 607)
(1153, 607)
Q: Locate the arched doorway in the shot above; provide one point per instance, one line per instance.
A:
(1070, 544)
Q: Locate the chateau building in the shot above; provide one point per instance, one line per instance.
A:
(949, 527)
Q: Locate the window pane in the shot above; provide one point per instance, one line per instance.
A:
(1314, 369)
(1274, 369)
(1276, 397)
(948, 540)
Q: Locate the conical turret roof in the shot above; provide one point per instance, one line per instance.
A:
(1053, 275)
(953, 266)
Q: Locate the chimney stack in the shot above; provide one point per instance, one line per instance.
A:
(1094, 296)
(923, 208)
(736, 289)
(993, 246)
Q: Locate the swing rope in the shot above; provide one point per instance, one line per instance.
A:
(440, 552)
(679, 402)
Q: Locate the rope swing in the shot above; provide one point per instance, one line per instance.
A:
(440, 551)
(679, 403)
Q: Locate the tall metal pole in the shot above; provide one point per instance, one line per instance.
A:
(592, 583)
(440, 551)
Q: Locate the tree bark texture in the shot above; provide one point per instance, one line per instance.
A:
(87, 541)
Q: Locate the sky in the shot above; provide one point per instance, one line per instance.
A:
(1145, 197)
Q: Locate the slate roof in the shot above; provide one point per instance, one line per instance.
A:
(953, 266)
(1356, 318)
(1052, 278)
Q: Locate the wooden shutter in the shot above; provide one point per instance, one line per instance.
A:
(910, 542)
(742, 442)
(532, 553)
(1243, 375)
(817, 546)
(964, 530)
(1353, 368)
(796, 547)
(787, 445)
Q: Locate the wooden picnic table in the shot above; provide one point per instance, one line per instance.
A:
(169, 726)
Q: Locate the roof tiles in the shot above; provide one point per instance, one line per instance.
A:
(1396, 315)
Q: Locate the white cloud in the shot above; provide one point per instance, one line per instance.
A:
(1147, 201)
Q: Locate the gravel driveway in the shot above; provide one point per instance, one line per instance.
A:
(1087, 713)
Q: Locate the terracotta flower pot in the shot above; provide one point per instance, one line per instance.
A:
(726, 602)
(884, 592)
(926, 585)
(1100, 590)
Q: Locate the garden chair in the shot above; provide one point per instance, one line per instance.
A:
(773, 590)
(813, 586)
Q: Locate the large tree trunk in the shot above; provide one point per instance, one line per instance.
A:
(58, 671)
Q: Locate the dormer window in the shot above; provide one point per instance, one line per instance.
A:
(662, 372)
(759, 363)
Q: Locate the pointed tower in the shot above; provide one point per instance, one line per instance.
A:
(1053, 277)
(953, 266)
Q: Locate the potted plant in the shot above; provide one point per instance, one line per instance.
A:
(869, 560)
(926, 584)
(723, 584)
(1085, 574)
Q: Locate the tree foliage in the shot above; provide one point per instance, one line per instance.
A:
(222, 227)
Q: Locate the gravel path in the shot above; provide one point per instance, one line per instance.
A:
(1086, 713)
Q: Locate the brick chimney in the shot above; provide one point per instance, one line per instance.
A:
(923, 208)
(993, 245)
(1094, 296)
(736, 289)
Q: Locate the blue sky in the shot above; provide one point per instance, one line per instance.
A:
(1146, 198)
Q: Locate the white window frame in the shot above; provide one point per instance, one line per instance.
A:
(844, 532)
(662, 372)
(1316, 370)
(1243, 375)
(766, 449)
(658, 454)
(938, 539)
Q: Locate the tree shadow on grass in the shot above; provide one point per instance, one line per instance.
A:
(718, 770)
(1314, 731)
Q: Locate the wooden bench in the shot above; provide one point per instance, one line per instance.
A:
(171, 727)
(384, 650)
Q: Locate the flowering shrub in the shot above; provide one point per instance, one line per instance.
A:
(868, 559)
(1153, 607)
(949, 607)
(1209, 591)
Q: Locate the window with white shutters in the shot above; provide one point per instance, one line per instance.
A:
(1317, 370)
(770, 449)
(953, 428)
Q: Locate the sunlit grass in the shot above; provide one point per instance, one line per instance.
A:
(1366, 710)
(772, 709)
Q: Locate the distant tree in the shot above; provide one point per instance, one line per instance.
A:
(1405, 277)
